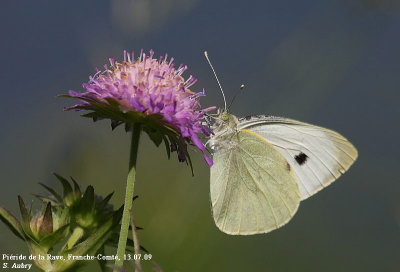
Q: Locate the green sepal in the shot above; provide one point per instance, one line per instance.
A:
(128, 127)
(49, 240)
(46, 199)
(179, 143)
(104, 202)
(167, 146)
(155, 137)
(112, 102)
(87, 204)
(77, 189)
(25, 218)
(115, 124)
(12, 223)
(62, 216)
(91, 245)
(83, 212)
(49, 228)
(189, 162)
(46, 227)
(52, 192)
(68, 195)
(154, 125)
(89, 115)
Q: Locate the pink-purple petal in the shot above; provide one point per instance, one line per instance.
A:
(151, 86)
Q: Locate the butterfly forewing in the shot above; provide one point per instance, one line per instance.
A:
(253, 188)
(318, 156)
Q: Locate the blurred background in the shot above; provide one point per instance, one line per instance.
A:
(331, 63)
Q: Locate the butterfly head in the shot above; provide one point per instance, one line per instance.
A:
(224, 116)
(224, 120)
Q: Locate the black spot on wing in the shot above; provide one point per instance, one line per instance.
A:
(301, 158)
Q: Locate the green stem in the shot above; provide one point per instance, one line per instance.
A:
(123, 235)
(76, 235)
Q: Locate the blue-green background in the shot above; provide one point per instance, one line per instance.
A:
(330, 63)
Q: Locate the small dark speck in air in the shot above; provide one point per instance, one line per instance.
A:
(301, 158)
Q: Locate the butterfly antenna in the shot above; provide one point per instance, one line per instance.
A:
(219, 84)
(236, 94)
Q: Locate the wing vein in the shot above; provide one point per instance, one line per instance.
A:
(263, 193)
(229, 199)
(280, 195)
(226, 184)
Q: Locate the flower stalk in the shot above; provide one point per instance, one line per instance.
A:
(130, 183)
(75, 236)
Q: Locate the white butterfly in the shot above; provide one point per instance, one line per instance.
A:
(264, 166)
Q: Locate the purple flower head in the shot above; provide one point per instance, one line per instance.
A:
(149, 91)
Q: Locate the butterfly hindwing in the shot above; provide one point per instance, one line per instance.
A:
(253, 188)
(318, 156)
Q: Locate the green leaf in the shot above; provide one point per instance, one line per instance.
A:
(12, 222)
